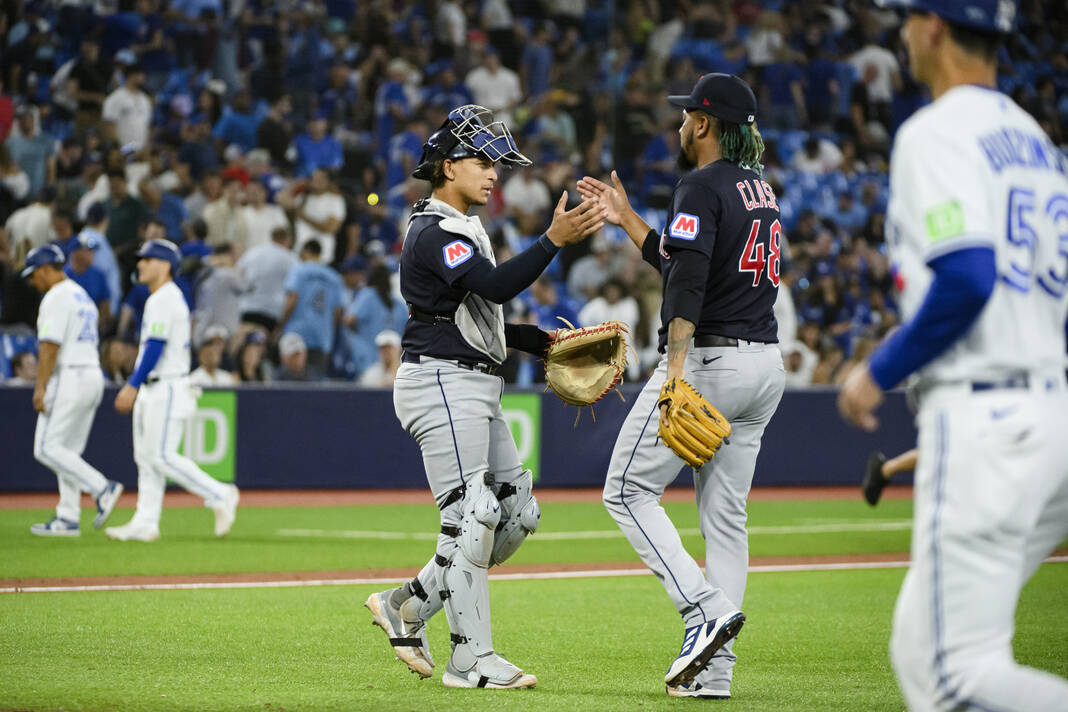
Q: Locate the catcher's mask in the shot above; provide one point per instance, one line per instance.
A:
(469, 132)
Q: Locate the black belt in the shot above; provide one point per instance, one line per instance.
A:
(429, 317)
(713, 340)
(480, 367)
(1019, 382)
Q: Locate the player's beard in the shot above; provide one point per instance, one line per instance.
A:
(683, 160)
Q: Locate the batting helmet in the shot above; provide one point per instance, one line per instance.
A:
(993, 16)
(162, 250)
(41, 256)
(469, 132)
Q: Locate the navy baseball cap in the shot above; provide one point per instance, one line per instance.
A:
(724, 96)
(994, 16)
(41, 256)
(162, 250)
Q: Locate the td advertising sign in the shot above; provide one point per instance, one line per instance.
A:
(522, 412)
(210, 438)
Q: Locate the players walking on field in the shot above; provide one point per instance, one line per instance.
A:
(719, 257)
(69, 387)
(448, 397)
(977, 228)
(162, 400)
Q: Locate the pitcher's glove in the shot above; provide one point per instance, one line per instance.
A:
(874, 482)
(582, 365)
(691, 427)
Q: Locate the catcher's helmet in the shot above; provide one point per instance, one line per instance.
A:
(469, 132)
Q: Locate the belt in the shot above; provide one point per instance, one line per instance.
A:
(480, 367)
(429, 317)
(156, 379)
(1019, 382)
(713, 340)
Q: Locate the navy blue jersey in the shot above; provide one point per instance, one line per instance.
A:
(729, 215)
(432, 263)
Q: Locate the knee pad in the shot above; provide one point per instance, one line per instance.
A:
(520, 516)
(481, 512)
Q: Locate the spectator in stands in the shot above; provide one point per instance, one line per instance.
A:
(313, 307)
(90, 73)
(32, 150)
(238, 125)
(613, 304)
(275, 133)
(799, 362)
(318, 213)
(198, 152)
(128, 110)
(251, 364)
(264, 269)
(260, 217)
(525, 194)
(447, 91)
(848, 214)
(208, 191)
(821, 87)
(589, 273)
(23, 369)
(92, 279)
(374, 309)
(118, 358)
(294, 354)
(536, 62)
(14, 183)
(210, 355)
(217, 293)
(494, 86)
(880, 76)
(383, 372)
(125, 214)
(817, 155)
(95, 230)
(785, 98)
(31, 226)
(225, 216)
(316, 150)
(545, 303)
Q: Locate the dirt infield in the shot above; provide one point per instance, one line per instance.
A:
(346, 498)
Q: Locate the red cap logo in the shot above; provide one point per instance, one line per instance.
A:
(706, 102)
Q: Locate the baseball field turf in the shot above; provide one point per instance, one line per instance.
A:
(271, 618)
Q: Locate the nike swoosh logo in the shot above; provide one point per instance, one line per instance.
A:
(707, 361)
(1003, 413)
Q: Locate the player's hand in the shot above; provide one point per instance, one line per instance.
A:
(38, 399)
(860, 395)
(571, 226)
(612, 197)
(124, 402)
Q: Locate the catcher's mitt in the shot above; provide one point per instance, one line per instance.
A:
(582, 365)
(874, 482)
(692, 427)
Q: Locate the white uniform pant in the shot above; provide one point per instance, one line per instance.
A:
(991, 503)
(160, 414)
(71, 399)
(745, 383)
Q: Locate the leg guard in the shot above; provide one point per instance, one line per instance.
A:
(520, 515)
(465, 583)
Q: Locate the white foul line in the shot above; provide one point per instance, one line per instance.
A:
(833, 528)
(774, 568)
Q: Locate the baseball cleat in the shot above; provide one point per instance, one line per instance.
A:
(226, 511)
(699, 644)
(491, 672)
(133, 532)
(106, 502)
(696, 689)
(56, 527)
(408, 639)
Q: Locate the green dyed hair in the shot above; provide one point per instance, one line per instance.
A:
(742, 145)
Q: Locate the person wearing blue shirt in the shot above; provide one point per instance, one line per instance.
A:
(374, 309)
(405, 150)
(96, 227)
(238, 125)
(447, 90)
(546, 304)
(313, 306)
(391, 104)
(317, 150)
(536, 63)
(80, 268)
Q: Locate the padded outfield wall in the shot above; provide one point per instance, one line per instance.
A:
(332, 437)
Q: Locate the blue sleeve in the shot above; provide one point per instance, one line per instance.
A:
(963, 282)
(149, 358)
(293, 280)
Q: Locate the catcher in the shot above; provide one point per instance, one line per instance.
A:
(719, 257)
(448, 397)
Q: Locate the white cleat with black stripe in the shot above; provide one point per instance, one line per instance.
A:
(490, 671)
(408, 640)
(699, 644)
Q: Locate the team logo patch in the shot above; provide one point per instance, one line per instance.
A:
(456, 253)
(685, 226)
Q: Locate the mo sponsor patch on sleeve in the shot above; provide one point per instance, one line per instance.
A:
(685, 226)
(456, 253)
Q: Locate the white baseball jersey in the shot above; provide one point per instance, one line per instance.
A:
(68, 317)
(167, 317)
(973, 169)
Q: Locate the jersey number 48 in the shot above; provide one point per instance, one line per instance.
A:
(752, 258)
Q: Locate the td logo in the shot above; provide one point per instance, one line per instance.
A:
(210, 435)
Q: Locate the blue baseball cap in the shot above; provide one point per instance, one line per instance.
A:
(994, 16)
(162, 250)
(41, 256)
(724, 96)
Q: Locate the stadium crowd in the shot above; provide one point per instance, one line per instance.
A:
(274, 142)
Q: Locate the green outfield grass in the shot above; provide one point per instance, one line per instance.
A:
(814, 640)
(264, 539)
